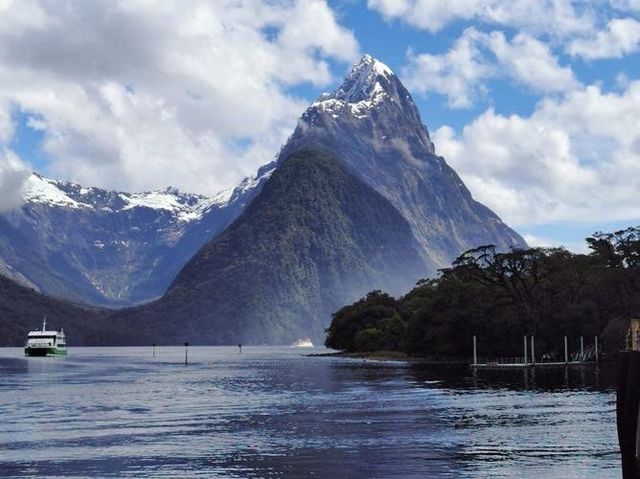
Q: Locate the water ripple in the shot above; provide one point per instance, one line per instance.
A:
(272, 412)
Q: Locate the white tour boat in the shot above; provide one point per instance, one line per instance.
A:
(45, 343)
(302, 343)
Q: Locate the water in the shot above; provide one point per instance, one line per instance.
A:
(273, 412)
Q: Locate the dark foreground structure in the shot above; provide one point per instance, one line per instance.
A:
(628, 400)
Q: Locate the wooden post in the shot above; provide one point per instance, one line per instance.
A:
(154, 350)
(533, 350)
(526, 360)
(566, 351)
(581, 348)
(595, 343)
(475, 351)
(186, 353)
(634, 334)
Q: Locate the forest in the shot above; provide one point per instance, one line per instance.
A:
(502, 296)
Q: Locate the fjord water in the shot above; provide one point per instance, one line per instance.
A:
(274, 412)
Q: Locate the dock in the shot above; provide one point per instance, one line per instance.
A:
(550, 364)
(583, 357)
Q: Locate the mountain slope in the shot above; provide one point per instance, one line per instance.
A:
(22, 309)
(313, 238)
(107, 247)
(372, 124)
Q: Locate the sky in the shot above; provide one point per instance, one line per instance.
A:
(535, 103)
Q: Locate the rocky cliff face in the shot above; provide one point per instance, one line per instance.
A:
(107, 247)
(371, 123)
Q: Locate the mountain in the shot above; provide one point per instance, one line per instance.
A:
(314, 238)
(22, 309)
(111, 248)
(371, 123)
(358, 201)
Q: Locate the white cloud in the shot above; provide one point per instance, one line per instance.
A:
(553, 17)
(139, 94)
(476, 57)
(13, 178)
(7, 128)
(575, 159)
(22, 16)
(543, 242)
(426, 14)
(626, 5)
(530, 62)
(456, 73)
(621, 37)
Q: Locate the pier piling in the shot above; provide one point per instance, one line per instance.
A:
(526, 361)
(533, 350)
(475, 351)
(566, 350)
(186, 353)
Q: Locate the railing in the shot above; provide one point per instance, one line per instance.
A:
(589, 354)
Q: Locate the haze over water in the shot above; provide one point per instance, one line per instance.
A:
(273, 412)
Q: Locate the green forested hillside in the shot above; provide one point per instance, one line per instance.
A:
(314, 238)
(22, 309)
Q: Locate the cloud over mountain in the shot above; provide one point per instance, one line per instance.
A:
(13, 177)
(137, 94)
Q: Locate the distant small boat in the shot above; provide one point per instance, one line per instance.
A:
(302, 343)
(45, 343)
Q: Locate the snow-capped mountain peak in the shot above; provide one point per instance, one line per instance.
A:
(366, 81)
(369, 83)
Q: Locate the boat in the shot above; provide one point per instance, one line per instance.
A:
(302, 343)
(45, 343)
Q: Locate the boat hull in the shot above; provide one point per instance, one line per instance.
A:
(44, 352)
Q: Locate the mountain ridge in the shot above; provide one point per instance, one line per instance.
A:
(111, 248)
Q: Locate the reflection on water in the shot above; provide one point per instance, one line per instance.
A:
(272, 412)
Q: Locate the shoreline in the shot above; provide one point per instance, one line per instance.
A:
(392, 356)
(397, 356)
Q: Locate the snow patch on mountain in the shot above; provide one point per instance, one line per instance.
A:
(251, 182)
(44, 190)
(186, 207)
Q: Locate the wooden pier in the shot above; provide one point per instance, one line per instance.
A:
(550, 364)
(528, 360)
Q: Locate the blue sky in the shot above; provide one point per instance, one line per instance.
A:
(534, 103)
